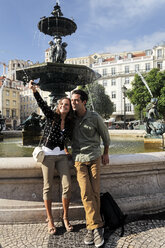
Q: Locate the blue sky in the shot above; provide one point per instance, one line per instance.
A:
(102, 26)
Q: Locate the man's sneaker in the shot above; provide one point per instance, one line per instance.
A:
(98, 237)
(89, 239)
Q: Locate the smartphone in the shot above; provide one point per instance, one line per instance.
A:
(36, 81)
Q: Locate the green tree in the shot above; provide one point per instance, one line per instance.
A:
(99, 100)
(140, 96)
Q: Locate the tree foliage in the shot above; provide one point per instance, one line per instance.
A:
(140, 96)
(99, 100)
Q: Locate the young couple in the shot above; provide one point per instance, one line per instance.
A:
(84, 128)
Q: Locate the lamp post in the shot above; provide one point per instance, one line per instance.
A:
(124, 89)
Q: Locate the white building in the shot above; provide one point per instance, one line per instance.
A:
(118, 70)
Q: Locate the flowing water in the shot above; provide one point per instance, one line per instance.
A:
(13, 147)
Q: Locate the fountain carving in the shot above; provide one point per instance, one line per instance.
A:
(55, 76)
(32, 128)
(154, 127)
(2, 122)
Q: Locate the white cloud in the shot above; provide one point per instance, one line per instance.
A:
(111, 12)
(142, 43)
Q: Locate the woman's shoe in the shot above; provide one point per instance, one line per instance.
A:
(51, 228)
(67, 225)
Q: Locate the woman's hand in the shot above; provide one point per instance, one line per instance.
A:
(32, 86)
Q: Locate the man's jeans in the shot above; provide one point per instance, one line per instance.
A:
(88, 176)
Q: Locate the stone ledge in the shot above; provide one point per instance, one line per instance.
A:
(127, 133)
(14, 167)
(136, 181)
(36, 213)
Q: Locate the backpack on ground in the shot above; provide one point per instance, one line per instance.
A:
(111, 213)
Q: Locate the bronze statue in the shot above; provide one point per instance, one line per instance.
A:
(152, 113)
(153, 126)
(57, 52)
(57, 11)
(33, 121)
(2, 122)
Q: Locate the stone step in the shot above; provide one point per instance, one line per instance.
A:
(12, 211)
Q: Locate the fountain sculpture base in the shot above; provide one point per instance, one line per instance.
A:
(1, 137)
(151, 141)
(30, 138)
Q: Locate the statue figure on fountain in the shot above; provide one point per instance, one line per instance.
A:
(57, 52)
(33, 122)
(153, 126)
(57, 11)
(151, 108)
(2, 122)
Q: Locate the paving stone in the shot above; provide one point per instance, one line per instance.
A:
(138, 234)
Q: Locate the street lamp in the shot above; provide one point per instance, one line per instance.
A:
(124, 89)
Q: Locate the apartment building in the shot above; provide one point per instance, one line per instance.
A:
(14, 65)
(16, 100)
(117, 72)
(10, 94)
(10, 102)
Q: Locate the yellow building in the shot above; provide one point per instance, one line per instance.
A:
(10, 103)
(86, 60)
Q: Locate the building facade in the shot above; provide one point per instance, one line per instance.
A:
(10, 102)
(17, 102)
(28, 104)
(117, 72)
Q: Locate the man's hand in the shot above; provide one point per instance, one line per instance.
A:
(105, 159)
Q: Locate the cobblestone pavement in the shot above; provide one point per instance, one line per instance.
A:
(138, 234)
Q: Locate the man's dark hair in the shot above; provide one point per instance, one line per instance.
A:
(83, 94)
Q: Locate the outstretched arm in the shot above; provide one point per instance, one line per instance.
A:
(41, 103)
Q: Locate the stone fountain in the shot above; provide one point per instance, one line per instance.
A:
(155, 128)
(55, 76)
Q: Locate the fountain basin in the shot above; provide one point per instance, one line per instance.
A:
(57, 77)
(57, 25)
(122, 142)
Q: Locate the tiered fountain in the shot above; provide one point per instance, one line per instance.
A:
(55, 76)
